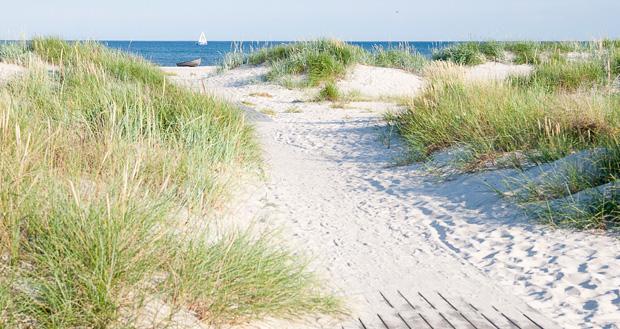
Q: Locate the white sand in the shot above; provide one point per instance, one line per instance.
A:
(8, 71)
(190, 72)
(372, 226)
(496, 71)
(375, 82)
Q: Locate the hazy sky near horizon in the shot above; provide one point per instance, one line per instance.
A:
(305, 19)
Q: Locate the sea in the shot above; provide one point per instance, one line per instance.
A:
(168, 53)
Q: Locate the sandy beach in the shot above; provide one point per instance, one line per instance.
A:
(310, 165)
(402, 240)
(371, 226)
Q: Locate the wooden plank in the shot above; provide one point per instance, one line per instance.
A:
(427, 309)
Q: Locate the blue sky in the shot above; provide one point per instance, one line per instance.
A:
(303, 19)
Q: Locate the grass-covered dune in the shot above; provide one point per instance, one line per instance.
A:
(564, 106)
(98, 157)
(518, 52)
(569, 103)
(323, 60)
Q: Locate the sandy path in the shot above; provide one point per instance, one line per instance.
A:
(372, 227)
(330, 190)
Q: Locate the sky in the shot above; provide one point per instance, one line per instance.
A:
(389, 20)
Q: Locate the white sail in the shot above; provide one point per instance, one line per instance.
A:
(203, 39)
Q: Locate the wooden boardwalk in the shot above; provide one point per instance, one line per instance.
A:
(435, 310)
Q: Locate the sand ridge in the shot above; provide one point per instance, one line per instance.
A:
(375, 82)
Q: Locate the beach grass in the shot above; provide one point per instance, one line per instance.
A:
(254, 278)
(495, 118)
(329, 92)
(518, 52)
(323, 60)
(320, 61)
(472, 53)
(564, 106)
(402, 57)
(99, 159)
(525, 52)
(293, 109)
(233, 59)
(14, 52)
(582, 194)
(268, 111)
(558, 74)
(468, 53)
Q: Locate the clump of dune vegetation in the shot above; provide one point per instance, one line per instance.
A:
(557, 74)
(234, 58)
(401, 57)
(470, 53)
(322, 61)
(231, 60)
(599, 68)
(268, 111)
(580, 190)
(518, 52)
(504, 118)
(564, 107)
(15, 52)
(104, 165)
(329, 92)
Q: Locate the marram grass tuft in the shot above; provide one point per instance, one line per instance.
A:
(97, 159)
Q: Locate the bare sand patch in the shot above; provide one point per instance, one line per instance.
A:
(493, 71)
(375, 82)
(7, 71)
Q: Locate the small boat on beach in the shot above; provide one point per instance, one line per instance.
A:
(202, 40)
(192, 63)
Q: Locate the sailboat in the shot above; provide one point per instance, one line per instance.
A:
(202, 41)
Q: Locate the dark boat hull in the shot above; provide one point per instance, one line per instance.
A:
(192, 63)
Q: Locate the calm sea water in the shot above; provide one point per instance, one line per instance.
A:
(168, 53)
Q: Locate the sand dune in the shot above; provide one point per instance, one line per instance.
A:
(373, 81)
(372, 226)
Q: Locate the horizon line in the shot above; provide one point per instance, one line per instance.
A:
(319, 38)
